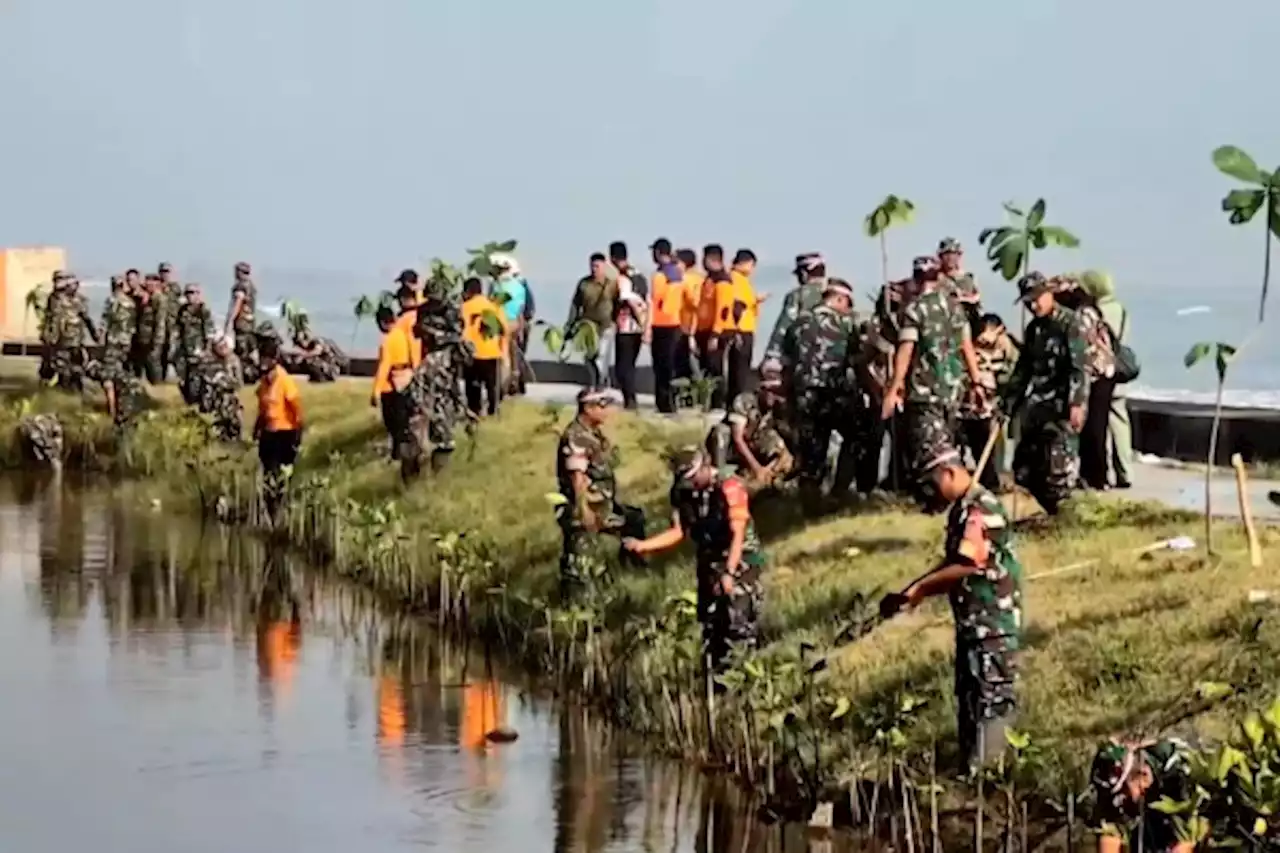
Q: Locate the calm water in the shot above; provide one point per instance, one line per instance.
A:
(165, 690)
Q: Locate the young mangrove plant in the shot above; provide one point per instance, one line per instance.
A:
(891, 212)
(1009, 247)
(1222, 353)
(1242, 205)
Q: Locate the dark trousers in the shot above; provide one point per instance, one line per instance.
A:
(481, 379)
(277, 450)
(666, 345)
(1093, 438)
(626, 351)
(739, 348)
(684, 358)
(975, 432)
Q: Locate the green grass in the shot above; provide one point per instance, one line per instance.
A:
(1123, 647)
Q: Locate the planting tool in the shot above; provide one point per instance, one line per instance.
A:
(1178, 543)
(1246, 511)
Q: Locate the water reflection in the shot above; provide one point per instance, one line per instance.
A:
(180, 667)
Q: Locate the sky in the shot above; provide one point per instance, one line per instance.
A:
(358, 137)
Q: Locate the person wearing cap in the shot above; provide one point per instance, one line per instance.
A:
(173, 303)
(1101, 287)
(321, 359)
(214, 380)
(512, 292)
(1048, 392)
(811, 280)
(740, 328)
(240, 321)
(594, 302)
(399, 354)
(193, 327)
(815, 358)
(154, 321)
(435, 400)
(408, 280)
(1127, 779)
(631, 321)
(119, 325)
(1100, 370)
(749, 439)
(996, 354)
(63, 329)
(960, 285)
(585, 474)
(715, 512)
(981, 575)
(278, 426)
(666, 335)
(933, 357)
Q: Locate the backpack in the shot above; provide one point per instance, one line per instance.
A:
(1128, 367)
(639, 284)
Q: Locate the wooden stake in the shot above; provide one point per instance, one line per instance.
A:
(1246, 511)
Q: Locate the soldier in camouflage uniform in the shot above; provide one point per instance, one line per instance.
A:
(960, 285)
(814, 358)
(981, 575)
(41, 437)
(173, 301)
(811, 279)
(119, 325)
(715, 512)
(934, 353)
(62, 332)
(192, 327)
(1048, 389)
(435, 391)
(215, 381)
(979, 414)
(240, 321)
(319, 358)
(585, 463)
(152, 342)
(879, 343)
(1127, 778)
(749, 439)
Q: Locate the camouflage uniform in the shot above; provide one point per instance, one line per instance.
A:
(988, 612)
(796, 304)
(319, 358)
(585, 449)
(216, 384)
(1048, 380)
(760, 429)
(153, 336)
(435, 391)
(245, 331)
(935, 385)
(130, 396)
(41, 437)
(879, 341)
(66, 320)
(192, 327)
(814, 359)
(995, 365)
(1137, 824)
(119, 325)
(705, 514)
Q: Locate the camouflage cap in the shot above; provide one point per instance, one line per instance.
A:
(949, 244)
(924, 264)
(942, 459)
(809, 261)
(686, 461)
(164, 267)
(597, 396)
(243, 267)
(1032, 285)
(60, 275)
(838, 286)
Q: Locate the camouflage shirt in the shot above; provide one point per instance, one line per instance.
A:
(795, 305)
(759, 425)
(1050, 374)
(153, 318)
(962, 289)
(705, 516)
(988, 605)
(119, 321)
(243, 323)
(995, 365)
(1099, 359)
(66, 319)
(586, 449)
(193, 325)
(816, 349)
(938, 329)
(1114, 816)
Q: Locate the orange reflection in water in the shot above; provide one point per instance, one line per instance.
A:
(483, 711)
(278, 645)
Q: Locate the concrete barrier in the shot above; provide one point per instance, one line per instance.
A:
(1172, 430)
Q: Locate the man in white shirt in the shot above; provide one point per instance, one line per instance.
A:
(631, 318)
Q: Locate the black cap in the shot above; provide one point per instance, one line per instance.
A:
(662, 246)
(407, 277)
(617, 251)
(743, 256)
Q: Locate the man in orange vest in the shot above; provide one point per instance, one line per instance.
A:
(399, 355)
(666, 302)
(479, 312)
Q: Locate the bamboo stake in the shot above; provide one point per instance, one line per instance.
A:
(1246, 511)
(1084, 564)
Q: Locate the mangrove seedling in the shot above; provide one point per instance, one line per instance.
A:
(1222, 353)
(583, 339)
(1009, 247)
(364, 307)
(890, 212)
(1242, 205)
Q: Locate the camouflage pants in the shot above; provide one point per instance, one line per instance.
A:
(930, 433)
(818, 413)
(41, 437)
(625, 522)
(65, 366)
(1045, 461)
(767, 446)
(731, 620)
(859, 458)
(986, 700)
(130, 395)
(247, 352)
(320, 368)
(226, 411)
(188, 371)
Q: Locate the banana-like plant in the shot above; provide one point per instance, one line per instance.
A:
(1222, 353)
(1009, 247)
(364, 307)
(890, 212)
(1242, 205)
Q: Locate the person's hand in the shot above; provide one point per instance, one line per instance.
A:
(373, 401)
(1076, 416)
(590, 520)
(892, 399)
(893, 604)
(713, 344)
(647, 337)
(633, 545)
(726, 584)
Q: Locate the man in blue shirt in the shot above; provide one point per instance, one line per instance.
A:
(511, 291)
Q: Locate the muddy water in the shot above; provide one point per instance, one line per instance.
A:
(166, 689)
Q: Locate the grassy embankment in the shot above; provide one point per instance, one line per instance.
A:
(1128, 645)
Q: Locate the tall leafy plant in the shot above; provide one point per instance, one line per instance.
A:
(1222, 354)
(364, 308)
(1243, 205)
(1009, 247)
(894, 210)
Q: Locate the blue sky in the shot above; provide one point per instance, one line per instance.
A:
(351, 137)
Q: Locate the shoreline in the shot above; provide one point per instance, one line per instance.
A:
(1111, 647)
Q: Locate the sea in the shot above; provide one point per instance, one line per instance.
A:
(1163, 324)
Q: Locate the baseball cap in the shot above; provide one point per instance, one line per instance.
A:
(949, 244)
(407, 277)
(662, 246)
(809, 261)
(1032, 285)
(924, 264)
(838, 285)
